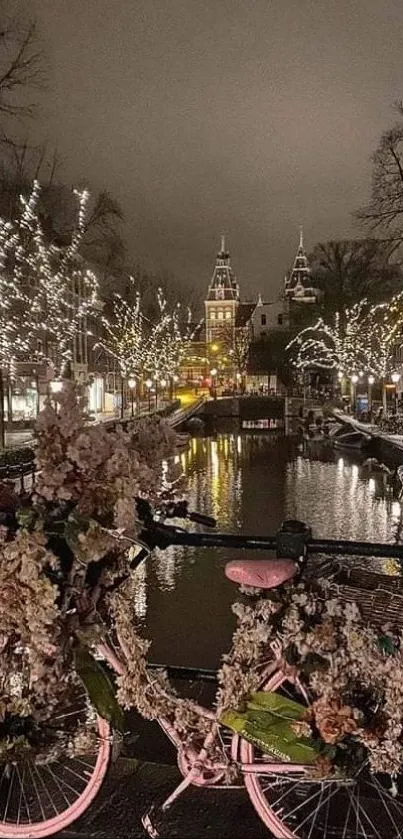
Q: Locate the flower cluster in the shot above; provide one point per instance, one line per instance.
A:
(58, 558)
(353, 671)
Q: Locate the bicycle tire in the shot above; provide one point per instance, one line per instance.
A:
(93, 772)
(330, 816)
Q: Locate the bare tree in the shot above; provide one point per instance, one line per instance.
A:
(346, 271)
(384, 211)
(22, 67)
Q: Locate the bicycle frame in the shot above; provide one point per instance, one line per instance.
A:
(196, 764)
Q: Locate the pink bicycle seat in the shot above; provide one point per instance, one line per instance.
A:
(264, 573)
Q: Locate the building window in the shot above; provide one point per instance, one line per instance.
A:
(220, 314)
(279, 320)
(212, 315)
(263, 320)
(228, 314)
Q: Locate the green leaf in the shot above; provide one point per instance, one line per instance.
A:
(386, 645)
(276, 704)
(267, 723)
(99, 688)
(27, 517)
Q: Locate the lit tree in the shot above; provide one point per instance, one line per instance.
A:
(338, 345)
(51, 294)
(124, 335)
(65, 292)
(167, 342)
(382, 333)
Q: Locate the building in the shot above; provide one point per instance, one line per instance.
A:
(222, 302)
(267, 317)
(298, 282)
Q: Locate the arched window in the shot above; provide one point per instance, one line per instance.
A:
(220, 314)
(212, 314)
(228, 314)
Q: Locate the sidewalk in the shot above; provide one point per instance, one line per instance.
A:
(133, 786)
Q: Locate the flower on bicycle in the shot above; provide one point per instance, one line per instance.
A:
(333, 720)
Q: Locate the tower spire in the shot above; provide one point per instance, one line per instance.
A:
(222, 243)
(301, 238)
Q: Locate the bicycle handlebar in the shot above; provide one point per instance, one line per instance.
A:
(293, 540)
(162, 536)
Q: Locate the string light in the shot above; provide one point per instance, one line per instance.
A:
(364, 338)
(46, 293)
(141, 347)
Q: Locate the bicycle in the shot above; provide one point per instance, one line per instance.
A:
(290, 801)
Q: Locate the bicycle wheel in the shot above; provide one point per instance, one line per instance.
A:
(40, 799)
(295, 806)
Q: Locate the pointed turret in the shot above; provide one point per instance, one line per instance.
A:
(223, 284)
(298, 283)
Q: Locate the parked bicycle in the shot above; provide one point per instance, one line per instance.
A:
(296, 798)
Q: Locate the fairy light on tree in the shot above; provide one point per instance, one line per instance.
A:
(51, 292)
(338, 345)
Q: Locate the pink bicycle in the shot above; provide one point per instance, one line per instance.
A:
(38, 801)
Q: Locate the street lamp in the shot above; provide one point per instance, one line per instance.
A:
(213, 374)
(132, 384)
(354, 380)
(371, 381)
(175, 379)
(395, 379)
(148, 383)
(56, 386)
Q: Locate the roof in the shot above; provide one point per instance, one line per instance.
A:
(300, 275)
(244, 313)
(223, 284)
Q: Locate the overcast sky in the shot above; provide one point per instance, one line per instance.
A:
(244, 116)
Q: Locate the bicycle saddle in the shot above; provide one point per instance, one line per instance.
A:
(264, 573)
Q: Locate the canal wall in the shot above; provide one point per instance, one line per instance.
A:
(385, 447)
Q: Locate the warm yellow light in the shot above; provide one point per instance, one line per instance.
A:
(131, 383)
(56, 386)
(215, 347)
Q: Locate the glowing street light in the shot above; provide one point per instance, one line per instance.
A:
(371, 381)
(149, 383)
(354, 380)
(132, 385)
(56, 386)
(395, 379)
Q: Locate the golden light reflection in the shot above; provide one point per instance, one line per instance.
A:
(396, 509)
(140, 591)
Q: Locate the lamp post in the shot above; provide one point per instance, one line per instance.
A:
(132, 385)
(395, 379)
(163, 384)
(354, 380)
(371, 381)
(148, 383)
(175, 379)
(213, 374)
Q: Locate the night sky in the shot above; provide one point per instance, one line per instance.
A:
(243, 116)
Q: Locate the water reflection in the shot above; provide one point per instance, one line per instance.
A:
(250, 483)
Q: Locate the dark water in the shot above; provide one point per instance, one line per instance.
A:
(250, 483)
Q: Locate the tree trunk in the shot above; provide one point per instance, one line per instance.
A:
(122, 391)
(2, 423)
(384, 399)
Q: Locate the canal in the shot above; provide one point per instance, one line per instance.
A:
(250, 483)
